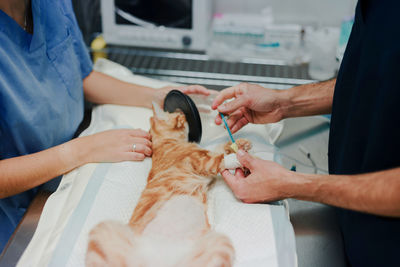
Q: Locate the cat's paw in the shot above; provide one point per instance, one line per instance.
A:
(242, 143)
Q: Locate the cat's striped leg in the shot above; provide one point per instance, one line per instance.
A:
(212, 250)
(109, 245)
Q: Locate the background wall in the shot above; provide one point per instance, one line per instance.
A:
(305, 12)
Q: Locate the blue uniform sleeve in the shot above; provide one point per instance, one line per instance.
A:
(80, 47)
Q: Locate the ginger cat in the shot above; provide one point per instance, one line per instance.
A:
(169, 226)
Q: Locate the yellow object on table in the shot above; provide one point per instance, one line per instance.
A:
(98, 45)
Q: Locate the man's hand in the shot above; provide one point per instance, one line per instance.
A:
(251, 104)
(266, 182)
(376, 192)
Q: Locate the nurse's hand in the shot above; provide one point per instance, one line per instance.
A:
(251, 104)
(267, 181)
(118, 145)
(186, 89)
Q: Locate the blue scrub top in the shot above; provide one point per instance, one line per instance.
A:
(41, 92)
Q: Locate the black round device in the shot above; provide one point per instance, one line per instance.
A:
(177, 100)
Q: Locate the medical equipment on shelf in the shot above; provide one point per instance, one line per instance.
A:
(322, 46)
(308, 155)
(237, 36)
(169, 24)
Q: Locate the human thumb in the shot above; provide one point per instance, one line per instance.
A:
(245, 159)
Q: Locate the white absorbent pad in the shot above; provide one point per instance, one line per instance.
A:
(262, 234)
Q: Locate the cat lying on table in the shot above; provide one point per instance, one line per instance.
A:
(169, 226)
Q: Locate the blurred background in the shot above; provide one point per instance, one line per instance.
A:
(219, 43)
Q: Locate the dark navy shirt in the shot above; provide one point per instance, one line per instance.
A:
(365, 125)
(41, 92)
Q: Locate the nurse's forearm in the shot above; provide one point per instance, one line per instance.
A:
(377, 193)
(309, 99)
(25, 172)
(103, 89)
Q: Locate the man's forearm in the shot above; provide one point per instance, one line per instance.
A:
(377, 193)
(100, 88)
(309, 99)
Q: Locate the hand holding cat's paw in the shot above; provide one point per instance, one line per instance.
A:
(265, 181)
(231, 162)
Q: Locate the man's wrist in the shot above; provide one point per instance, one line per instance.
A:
(284, 102)
(301, 186)
(307, 99)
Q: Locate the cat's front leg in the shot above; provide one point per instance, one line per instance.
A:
(230, 159)
(213, 163)
(222, 162)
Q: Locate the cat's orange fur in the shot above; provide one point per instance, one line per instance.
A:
(180, 176)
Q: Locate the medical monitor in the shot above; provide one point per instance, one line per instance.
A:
(170, 24)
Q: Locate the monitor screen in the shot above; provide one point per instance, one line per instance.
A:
(155, 13)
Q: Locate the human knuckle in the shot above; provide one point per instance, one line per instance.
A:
(247, 100)
(138, 140)
(117, 133)
(243, 87)
(125, 138)
(135, 131)
(140, 132)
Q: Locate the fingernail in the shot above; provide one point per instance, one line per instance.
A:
(240, 153)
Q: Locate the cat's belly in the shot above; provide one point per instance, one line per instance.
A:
(172, 234)
(182, 217)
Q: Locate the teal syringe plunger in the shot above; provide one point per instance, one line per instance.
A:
(233, 146)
